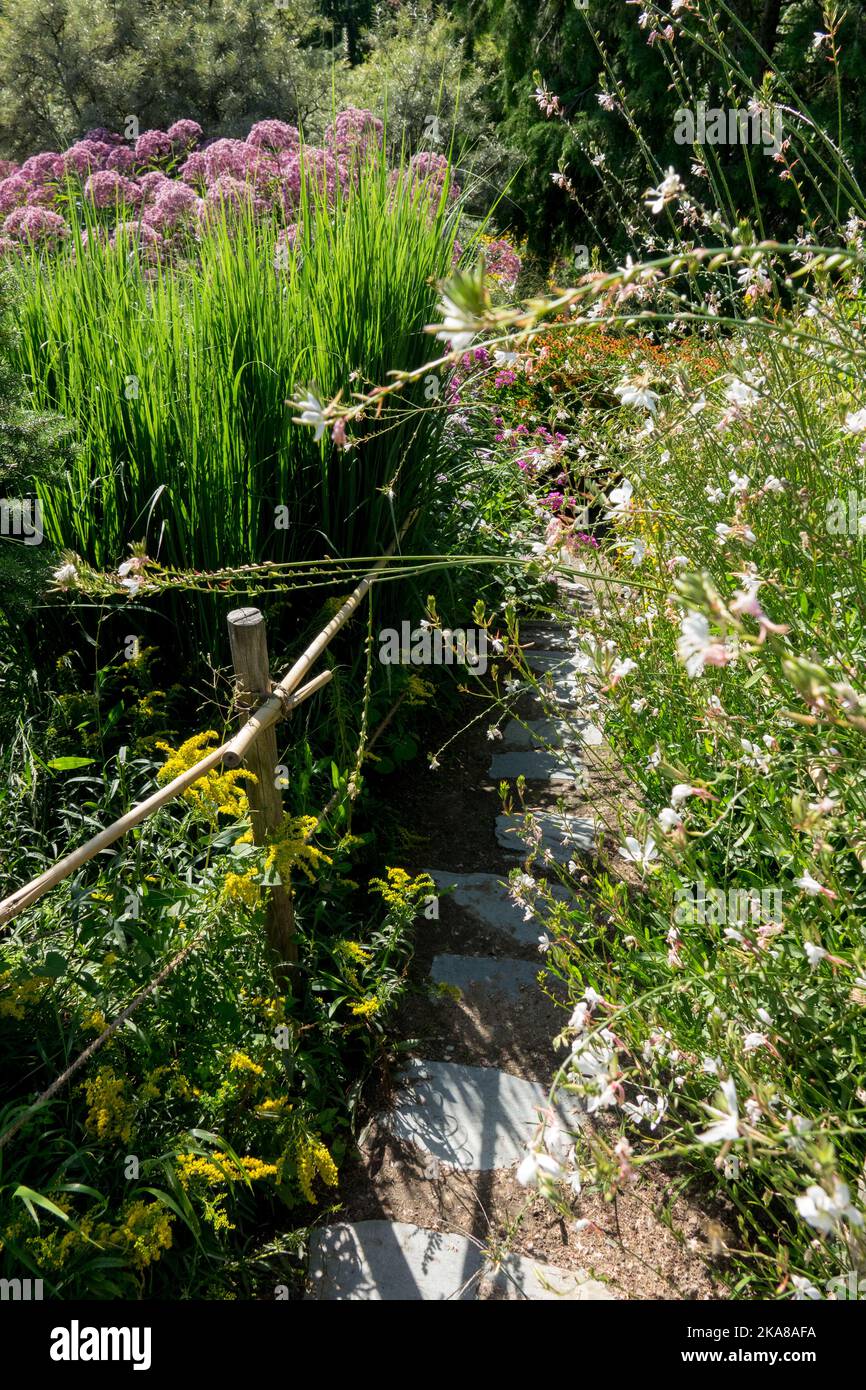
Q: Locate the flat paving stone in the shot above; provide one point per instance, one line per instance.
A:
(535, 764)
(498, 974)
(518, 1278)
(561, 835)
(541, 733)
(486, 898)
(546, 635)
(545, 661)
(380, 1261)
(474, 1118)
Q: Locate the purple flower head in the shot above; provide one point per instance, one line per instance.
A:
(14, 192)
(502, 263)
(194, 170)
(121, 159)
(151, 183)
(37, 225)
(176, 203)
(354, 132)
(506, 378)
(152, 146)
(184, 134)
(234, 195)
(103, 136)
(275, 136)
(232, 157)
(86, 157)
(106, 189)
(429, 171)
(41, 168)
(7, 167)
(553, 500)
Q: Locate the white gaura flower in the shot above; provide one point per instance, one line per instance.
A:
(459, 326)
(66, 574)
(635, 550)
(696, 648)
(638, 394)
(752, 1041)
(855, 422)
(312, 413)
(544, 943)
(619, 500)
(804, 1289)
(623, 666)
(715, 494)
(669, 820)
(538, 1168)
(739, 481)
(812, 887)
(741, 394)
(681, 792)
(773, 484)
(636, 853)
(670, 188)
(814, 954)
(825, 1211)
(726, 1126)
(646, 1109)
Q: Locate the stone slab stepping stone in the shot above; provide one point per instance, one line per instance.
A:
(500, 975)
(546, 636)
(562, 835)
(545, 661)
(541, 733)
(391, 1260)
(475, 1118)
(517, 1278)
(485, 896)
(536, 765)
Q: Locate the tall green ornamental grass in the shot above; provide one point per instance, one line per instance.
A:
(180, 377)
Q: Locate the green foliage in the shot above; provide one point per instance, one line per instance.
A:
(34, 449)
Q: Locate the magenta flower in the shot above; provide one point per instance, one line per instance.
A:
(37, 225)
(40, 168)
(151, 183)
(194, 169)
(184, 134)
(14, 192)
(153, 146)
(275, 136)
(429, 170)
(502, 263)
(86, 156)
(121, 159)
(103, 136)
(354, 132)
(106, 189)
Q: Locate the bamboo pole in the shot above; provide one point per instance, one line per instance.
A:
(31, 892)
(283, 699)
(249, 644)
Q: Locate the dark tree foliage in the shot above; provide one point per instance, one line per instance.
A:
(552, 42)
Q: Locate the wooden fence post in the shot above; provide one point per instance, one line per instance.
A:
(249, 646)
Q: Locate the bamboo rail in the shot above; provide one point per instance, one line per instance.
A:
(284, 697)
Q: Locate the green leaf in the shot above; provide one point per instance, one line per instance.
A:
(33, 1199)
(68, 764)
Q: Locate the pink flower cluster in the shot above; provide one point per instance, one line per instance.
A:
(171, 182)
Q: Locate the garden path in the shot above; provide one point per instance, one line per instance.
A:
(437, 1212)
